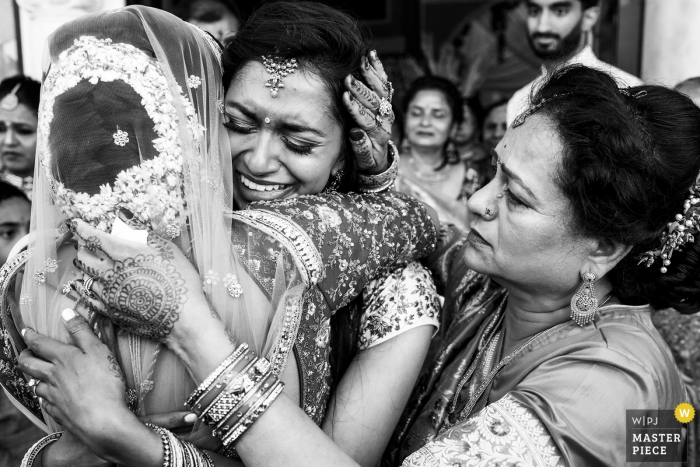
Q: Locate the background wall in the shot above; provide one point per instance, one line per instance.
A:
(671, 45)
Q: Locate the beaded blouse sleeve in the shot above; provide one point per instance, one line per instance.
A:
(342, 241)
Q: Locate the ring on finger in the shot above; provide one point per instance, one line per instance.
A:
(33, 383)
(384, 107)
(378, 122)
(390, 88)
(87, 285)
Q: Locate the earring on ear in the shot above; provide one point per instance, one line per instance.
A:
(335, 183)
(584, 303)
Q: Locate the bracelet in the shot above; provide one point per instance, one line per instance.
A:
(178, 453)
(217, 390)
(244, 384)
(30, 456)
(385, 180)
(235, 355)
(238, 384)
(167, 447)
(234, 416)
(254, 413)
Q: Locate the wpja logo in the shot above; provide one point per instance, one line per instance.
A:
(658, 435)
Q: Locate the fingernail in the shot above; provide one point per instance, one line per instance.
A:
(352, 79)
(68, 314)
(125, 214)
(373, 54)
(190, 418)
(356, 135)
(24, 331)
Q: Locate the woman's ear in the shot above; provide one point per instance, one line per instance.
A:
(605, 255)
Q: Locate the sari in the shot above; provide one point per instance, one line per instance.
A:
(561, 400)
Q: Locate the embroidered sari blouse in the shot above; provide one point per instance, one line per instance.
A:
(561, 401)
(343, 244)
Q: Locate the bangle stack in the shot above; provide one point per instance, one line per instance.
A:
(34, 451)
(236, 394)
(385, 180)
(178, 453)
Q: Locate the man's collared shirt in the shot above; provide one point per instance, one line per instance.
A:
(521, 99)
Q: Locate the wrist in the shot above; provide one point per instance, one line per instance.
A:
(128, 442)
(201, 344)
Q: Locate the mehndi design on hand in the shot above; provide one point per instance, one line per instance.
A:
(145, 295)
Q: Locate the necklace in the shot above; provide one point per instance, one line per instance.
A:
(434, 177)
(464, 414)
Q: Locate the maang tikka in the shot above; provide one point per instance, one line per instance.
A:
(584, 303)
(279, 68)
(11, 101)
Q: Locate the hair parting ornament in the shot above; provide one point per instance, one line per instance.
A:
(680, 231)
(279, 68)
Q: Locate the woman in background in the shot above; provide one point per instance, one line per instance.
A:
(19, 104)
(431, 169)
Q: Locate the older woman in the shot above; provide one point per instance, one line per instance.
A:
(581, 235)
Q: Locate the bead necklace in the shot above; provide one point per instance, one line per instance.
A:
(433, 177)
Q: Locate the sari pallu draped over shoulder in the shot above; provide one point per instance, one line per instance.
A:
(562, 400)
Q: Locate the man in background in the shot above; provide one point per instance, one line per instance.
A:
(217, 17)
(558, 32)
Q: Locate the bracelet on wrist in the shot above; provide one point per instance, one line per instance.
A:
(385, 180)
(235, 395)
(35, 450)
(178, 453)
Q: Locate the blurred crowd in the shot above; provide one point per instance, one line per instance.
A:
(446, 139)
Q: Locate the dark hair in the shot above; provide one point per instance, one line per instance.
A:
(586, 4)
(186, 10)
(28, 92)
(331, 45)
(326, 42)
(630, 158)
(8, 191)
(452, 95)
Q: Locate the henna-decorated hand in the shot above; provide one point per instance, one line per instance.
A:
(81, 385)
(371, 109)
(142, 288)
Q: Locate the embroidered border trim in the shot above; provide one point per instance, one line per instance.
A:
(10, 376)
(288, 334)
(293, 237)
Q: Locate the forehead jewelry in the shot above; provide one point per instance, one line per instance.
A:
(279, 68)
(120, 137)
(10, 101)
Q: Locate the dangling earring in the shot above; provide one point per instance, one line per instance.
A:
(451, 153)
(584, 303)
(335, 183)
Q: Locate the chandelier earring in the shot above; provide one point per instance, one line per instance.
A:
(584, 303)
(335, 183)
